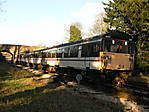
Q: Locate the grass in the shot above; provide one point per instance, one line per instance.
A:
(12, 86)
(20, 94)
(16, 96)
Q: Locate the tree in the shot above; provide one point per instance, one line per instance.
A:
(75, 32)
(131, 16)
(99, 26)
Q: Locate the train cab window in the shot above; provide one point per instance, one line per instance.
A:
(118, 46)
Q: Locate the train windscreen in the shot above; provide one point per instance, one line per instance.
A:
(118, 46)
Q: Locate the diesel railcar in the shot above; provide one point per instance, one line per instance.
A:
(107, 54)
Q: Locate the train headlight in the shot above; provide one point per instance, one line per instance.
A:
(109, 57)
(103, 57)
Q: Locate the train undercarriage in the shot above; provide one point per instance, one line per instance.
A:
(113, 77)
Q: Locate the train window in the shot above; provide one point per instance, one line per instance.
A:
(66, 52)
(35, 55)
(84, 52)
(95, 49)
(59, 53)
(53, 54)
(74, 51)
(38, 55)
(44, 54)
(48, 55)
(118, 46)
(91, 49)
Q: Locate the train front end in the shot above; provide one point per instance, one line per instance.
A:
(117, 58)
(117, 54)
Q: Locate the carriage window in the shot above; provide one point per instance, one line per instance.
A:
(53, 54)
(95, 49)
(44, 54)
(91, 49)
(49, 55)
(66, 51)
(85, 50)
(73, 51)
(59, 53)
(35, 55)
(39, 54)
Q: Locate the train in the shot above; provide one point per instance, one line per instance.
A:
(109, 55)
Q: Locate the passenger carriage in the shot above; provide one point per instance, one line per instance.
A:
(109, 53)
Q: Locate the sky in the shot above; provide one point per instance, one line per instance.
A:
(44, 22)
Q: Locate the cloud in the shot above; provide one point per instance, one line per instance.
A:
(86, 15)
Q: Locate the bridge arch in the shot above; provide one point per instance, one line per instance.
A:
(7, 51)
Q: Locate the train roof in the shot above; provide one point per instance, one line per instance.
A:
(118, 35)
(114, 35)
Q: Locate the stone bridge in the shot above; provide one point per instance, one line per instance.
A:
(12, 52)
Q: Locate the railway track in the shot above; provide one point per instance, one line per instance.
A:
(140, 91)
(138, 86)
